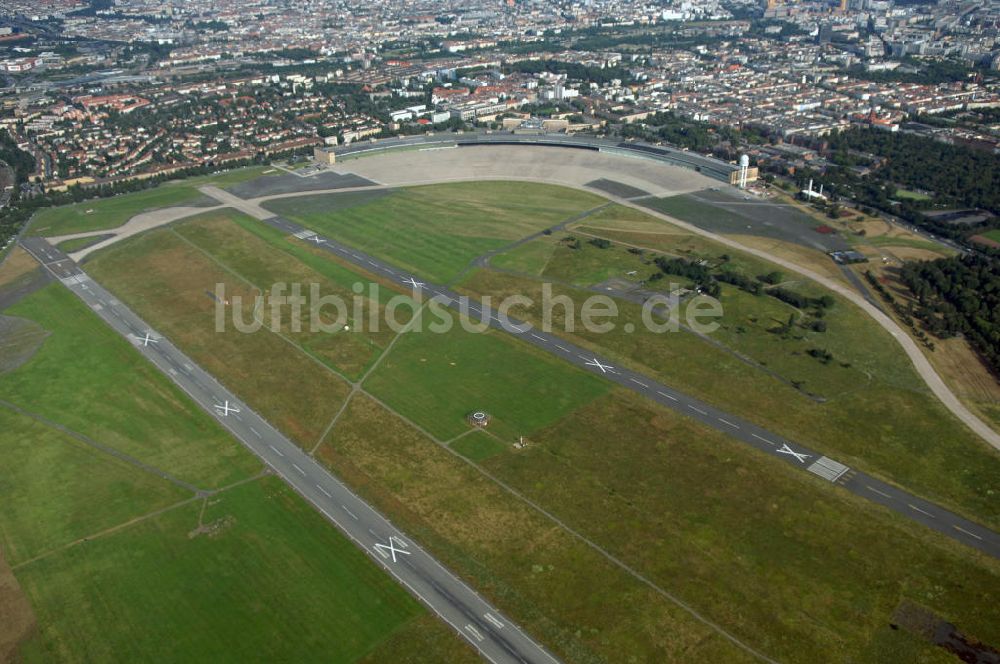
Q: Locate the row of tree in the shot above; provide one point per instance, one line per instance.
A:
(708, 280)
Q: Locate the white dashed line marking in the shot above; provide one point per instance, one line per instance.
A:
(669, 396)
(562, 348)
(881, 493)
(254, 432)
(696, 409)
(300, 471)
(917, 509)
(639, 383)
(324, 491)
(963, 530)
(735, 426)
(276, 450)
(351, 514)
(762, 438)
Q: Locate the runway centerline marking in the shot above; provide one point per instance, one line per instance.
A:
(276, 450)
(963, 530)
(881, 493)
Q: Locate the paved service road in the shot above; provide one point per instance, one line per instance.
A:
(492, 634)
(857, 482)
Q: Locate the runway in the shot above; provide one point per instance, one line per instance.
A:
(800, 457)
(496, 638)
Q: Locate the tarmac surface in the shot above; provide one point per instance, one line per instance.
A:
(266, 185)
(762, 218)
(495, 637)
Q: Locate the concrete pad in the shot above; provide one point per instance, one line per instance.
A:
(567, 166)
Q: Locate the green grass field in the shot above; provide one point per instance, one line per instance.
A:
(993, 234)
(56, 490)
(436, 230)
(262, 256)
(69, 246)
(882, 241)
(878, 413)
(250, 572)
(266, 579)
(911, 195)
(781, 560)
(171, 283)
(478, 446)
(92, 382)
(437, 380)
(567, 594)
(104, 213)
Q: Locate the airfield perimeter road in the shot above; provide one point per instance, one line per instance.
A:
(912, 507)
(492, 634)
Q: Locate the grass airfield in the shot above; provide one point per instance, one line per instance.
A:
(595, 536)
(101, 459)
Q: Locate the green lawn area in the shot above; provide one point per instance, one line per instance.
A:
(95, 383)
(263, 256)
(787, 563)
(69, 246)
(437, 380)
(266, 579)
(882, 241)
(911, 195)
(436, 230)
(530, 257)
(572, 257)
(783, 560)
(478, 446)
(96, 541)
(993, 234)
(567, 594)
(56, 489)
(171, 284)
(103, 213)
(877, 414)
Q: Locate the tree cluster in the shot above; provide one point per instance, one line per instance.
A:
(960, 296)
